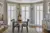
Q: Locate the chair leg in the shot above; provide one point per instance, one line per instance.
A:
(27, 29)
(18, 28)
(12, 29)
(22, 29)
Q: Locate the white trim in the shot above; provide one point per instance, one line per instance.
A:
(25, 1)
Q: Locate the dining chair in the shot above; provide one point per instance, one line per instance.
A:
(15, 24)
(25, 24)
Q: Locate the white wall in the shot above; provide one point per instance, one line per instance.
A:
(1, 6)
(1, 11)
(48, 0)
(4, 10)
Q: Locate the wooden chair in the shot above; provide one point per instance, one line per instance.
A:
(25, 24)
(15, 24)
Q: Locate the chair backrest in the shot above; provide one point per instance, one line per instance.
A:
(13, 20)
(27, 21)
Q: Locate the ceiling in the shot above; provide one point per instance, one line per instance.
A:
(24, 1)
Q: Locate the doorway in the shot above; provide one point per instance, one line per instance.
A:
(38, 16)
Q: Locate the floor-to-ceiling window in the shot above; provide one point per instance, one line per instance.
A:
(11, 8)
(25, 11)
(38, 15)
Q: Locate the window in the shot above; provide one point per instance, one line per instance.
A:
(39, 14)
(25, 12)
(11, 8)
(49, 8)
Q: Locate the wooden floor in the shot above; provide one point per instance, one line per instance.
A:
(31, 30)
